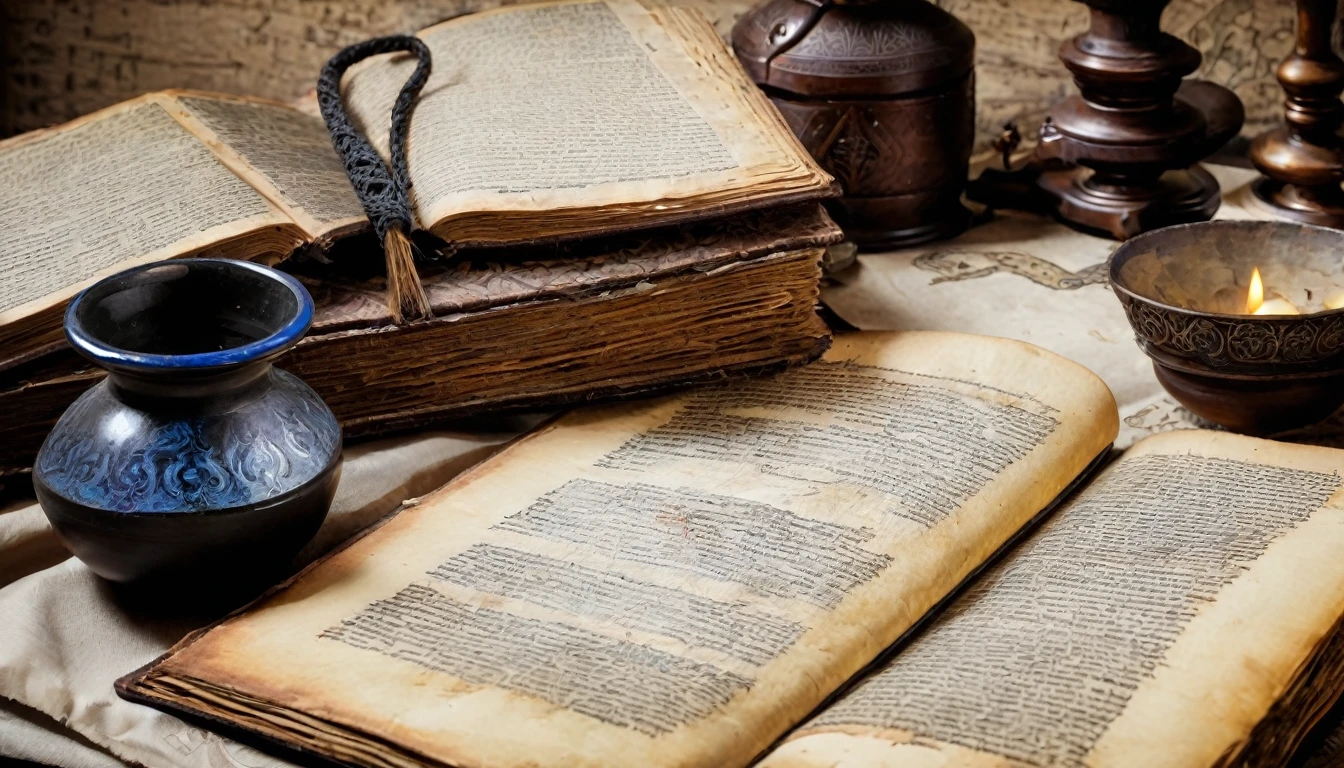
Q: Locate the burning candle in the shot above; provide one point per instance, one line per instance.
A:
(1254, 350)
(1277, 306)
(1255, 293)
(1256, 304)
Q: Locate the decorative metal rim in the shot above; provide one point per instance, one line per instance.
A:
(1228, 341)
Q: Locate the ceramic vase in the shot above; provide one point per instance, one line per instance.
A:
(195, 456)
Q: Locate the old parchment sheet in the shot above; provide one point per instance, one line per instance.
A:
(674, 582)
(125, 186)
(1151, 622)
(886, 291)
(283, 152)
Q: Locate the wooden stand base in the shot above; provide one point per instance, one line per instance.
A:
(1073, 195)
(1322, 206)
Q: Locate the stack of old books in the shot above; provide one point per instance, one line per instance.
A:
(624, 211)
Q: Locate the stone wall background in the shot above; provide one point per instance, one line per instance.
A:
(63, 58)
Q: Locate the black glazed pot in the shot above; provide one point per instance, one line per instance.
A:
(195, 459)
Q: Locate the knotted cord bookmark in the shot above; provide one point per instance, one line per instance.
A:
(384, 193)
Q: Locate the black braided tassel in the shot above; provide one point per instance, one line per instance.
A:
(385, 194)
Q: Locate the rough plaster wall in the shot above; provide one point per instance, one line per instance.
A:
(63, 58)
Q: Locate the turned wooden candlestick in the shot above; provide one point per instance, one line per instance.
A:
(1120, 157)
(1304, 160)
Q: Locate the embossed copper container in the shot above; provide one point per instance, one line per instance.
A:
(882, 93)
(1184, 289)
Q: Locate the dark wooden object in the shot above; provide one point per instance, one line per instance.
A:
(1304, 160)
(882, 93)
(1120, 157)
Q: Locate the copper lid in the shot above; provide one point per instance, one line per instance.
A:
(854, 48)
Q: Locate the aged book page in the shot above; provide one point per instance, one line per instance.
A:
(121, 187)
(1153, 621)
(533, 112)
(284, 153)
(671, 583)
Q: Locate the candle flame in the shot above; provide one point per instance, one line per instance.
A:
(1255, 295)
(1256, 304)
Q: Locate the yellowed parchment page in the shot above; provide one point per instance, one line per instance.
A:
(615, 106)
(669, 583)
(120, 187)
(284, 153)
(1151, 622)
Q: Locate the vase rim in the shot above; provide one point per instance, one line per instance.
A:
(277, 339)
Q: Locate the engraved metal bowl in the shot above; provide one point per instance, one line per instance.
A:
(1184, 291)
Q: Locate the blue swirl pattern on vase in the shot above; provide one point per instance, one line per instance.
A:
(107, 455)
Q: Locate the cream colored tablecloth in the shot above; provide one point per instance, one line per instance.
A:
(63, 639)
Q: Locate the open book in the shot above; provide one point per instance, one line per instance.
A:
(681, 582)
(540, 122)
(1184, 609)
